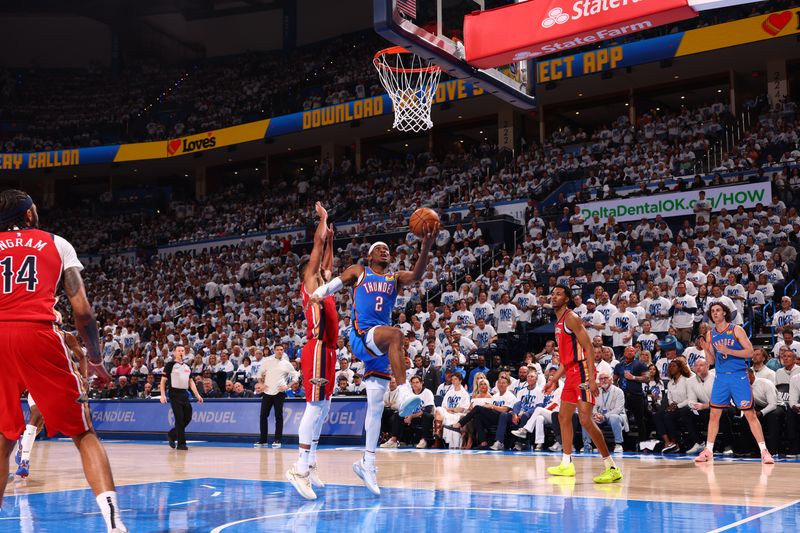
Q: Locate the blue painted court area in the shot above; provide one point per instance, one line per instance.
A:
(237, 506)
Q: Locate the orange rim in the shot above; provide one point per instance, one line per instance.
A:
(396, 50)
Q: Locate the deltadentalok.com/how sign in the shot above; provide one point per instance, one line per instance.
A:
(679, 203)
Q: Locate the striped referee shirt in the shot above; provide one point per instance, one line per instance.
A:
(178, 375)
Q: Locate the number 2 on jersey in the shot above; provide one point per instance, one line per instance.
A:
(26, 275)
(379, 303)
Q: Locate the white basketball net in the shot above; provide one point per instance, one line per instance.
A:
(411, 83)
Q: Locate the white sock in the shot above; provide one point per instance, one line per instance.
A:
(107, 501)
(710, 446)
(762, 446)
(609, 462)
(369, 458)
(565, 459)
(28, 438)
(372, 424)
(326, 407)
(303, 460)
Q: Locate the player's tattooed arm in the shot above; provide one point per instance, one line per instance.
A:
(82, 311)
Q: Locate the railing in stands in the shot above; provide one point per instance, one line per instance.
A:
(767, 312)
(793, 285)
(436, 292)
(748, 327)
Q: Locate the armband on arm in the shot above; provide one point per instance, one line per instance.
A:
(329, 288)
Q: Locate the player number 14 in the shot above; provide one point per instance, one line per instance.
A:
(26, 275)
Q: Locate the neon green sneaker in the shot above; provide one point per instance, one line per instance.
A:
(609, 475)
(562, 470)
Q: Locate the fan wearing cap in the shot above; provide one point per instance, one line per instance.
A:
(375, 341)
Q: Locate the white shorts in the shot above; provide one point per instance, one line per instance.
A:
(452, 438)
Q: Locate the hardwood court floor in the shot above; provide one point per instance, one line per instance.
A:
(473, 487)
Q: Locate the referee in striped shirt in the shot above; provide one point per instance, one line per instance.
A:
(177, 379)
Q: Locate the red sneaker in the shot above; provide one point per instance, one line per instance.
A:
(705, 456)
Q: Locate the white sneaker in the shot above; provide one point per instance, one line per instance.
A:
(727, 451)
(556, 447)
(368, 475)
(618, 448)
(497, 446)
(301, 483)
(313, 477)
(522, 433)
(422, 444)
(276, 445)
(408, 403)
(391, 443)
(697, 448)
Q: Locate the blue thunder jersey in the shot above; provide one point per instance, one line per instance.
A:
(374, 298)
(728, 364)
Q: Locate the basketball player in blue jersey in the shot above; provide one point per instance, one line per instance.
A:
(375, 341)
(728, 346)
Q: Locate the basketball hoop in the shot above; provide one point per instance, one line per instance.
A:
(411, 83)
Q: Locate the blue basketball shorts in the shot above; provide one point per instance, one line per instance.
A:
(376, 364)
(734, 386)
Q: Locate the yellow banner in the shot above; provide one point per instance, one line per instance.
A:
(243, 133)
(742, 31)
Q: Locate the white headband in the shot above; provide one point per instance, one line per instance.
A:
(379, 243)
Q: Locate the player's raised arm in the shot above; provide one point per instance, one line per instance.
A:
(327, 255)
(407, 277)
(315, 261)
(575, 324)
(348, 278)
(84, 321)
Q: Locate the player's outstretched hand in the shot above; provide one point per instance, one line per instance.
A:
(323, 214)
(100, 373)
(200, 400)
(431, 231)
(593, 388)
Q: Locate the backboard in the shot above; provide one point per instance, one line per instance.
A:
(433, 30)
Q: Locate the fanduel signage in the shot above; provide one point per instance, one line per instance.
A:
(679, 203)
(224, 417)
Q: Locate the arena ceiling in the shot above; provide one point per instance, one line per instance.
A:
(112, 9)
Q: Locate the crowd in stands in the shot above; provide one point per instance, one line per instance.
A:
(661, 152)
(57, 109)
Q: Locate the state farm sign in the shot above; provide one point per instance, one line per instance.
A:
(532, 29)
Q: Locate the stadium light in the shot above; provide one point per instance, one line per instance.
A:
(705, 5)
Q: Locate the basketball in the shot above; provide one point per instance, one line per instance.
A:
(422, 219)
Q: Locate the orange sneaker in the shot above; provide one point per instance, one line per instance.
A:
(705, 456)
(766, 458)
